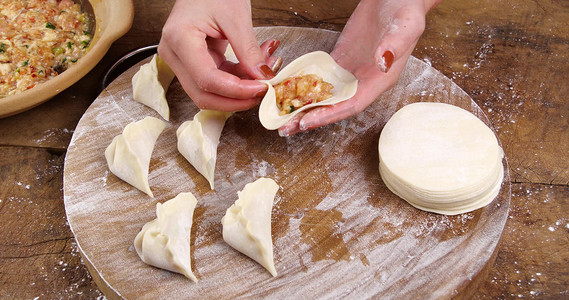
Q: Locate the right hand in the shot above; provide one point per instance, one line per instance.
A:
(193, 44)
(375, 45)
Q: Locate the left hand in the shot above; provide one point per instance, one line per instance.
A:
(193, 44)
(375, 45)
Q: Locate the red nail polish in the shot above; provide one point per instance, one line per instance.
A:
(388, 58)
(261, 93)
(277, 65)
(273, 47)
(266, 71)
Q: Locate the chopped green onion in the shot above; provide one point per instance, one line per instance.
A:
(85, 44)
(291, 108)
(64, 60)
(40, 71)
(49, 25)
(26, 63)
(74, 60)
(69, 45)
(2, 48)
(57, 50)
(86, 32)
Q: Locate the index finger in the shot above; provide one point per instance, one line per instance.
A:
(196, 60)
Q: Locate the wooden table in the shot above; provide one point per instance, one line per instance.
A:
(511, 57)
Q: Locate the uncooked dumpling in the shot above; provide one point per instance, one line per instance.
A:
(150, 83)
(440, 158)
(247, 223)
(165, 241)
(198, 140)
(319, 63)
(128, 155)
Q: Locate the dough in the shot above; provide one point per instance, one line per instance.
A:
(150, 83)
(440, 158)
(247, 223)
(165, 241)
(319, 63)
(128, 155)
(198, 140)
(230, 55)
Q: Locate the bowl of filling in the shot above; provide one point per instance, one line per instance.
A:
(48, 45)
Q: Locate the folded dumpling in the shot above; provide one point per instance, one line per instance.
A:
(128, 155)
(247, 223)
(150, 83)
(165, 241)
(198, 140)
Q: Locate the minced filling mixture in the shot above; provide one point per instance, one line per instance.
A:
(38, 40)
(298, 91)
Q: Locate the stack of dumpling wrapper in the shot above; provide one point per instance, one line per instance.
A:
(440, 158)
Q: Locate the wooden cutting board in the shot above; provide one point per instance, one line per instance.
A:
(337, 230)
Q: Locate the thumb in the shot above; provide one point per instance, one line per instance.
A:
(401, 37)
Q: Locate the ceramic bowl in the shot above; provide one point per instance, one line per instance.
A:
(113, 18)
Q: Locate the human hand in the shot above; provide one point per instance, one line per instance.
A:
(193, 44)
(375, 45)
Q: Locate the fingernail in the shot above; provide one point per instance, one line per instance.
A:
(283, 133)
(277, 65)
(273, 47)
(302, 125)
(386, 61)
(266, 71)
(261, 93)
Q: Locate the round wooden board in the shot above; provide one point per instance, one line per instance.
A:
(337, 230)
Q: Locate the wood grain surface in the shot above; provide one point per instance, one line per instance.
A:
(509, 56)
(337, 230)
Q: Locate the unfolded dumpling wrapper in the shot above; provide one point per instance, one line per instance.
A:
(150, 83)
(247, 223)
(165, 241)
(198, 140)
(128, 155)
(319, 63)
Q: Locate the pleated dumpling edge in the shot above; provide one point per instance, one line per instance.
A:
(247, 223)
(128, 155)
(165, 241)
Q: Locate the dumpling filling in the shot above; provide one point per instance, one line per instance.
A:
(298, 91)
